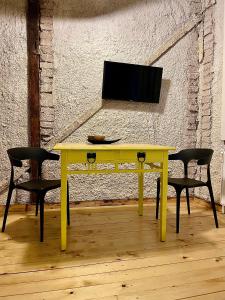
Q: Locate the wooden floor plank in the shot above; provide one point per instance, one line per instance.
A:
(132, 273)
(114, 254)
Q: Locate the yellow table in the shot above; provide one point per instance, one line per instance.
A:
(144, 156)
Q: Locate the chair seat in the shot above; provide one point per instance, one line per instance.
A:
(185, 182)
(39, 185)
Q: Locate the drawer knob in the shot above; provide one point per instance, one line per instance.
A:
(141, 156)
(91, 157)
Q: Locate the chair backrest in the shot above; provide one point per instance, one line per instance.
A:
(203, 156)
(17, 155)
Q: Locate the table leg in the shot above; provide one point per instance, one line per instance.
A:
(163, 201)
(63, 202)
(140, 190)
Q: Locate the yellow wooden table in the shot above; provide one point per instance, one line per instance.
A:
(144, 156)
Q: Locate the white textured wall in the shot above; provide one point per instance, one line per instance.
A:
(13, 75)
(217, 99)
(86, 34)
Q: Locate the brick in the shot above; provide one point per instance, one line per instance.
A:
(46, 20)
(192, 101)
(47, 72)
(208, 30)
(208, 21)
(206, 93)
(207, 67)
(46, 26)
(191, 133)
(193, 82)
(208, 44)
(209, 38)
(47, 114)
(46, 99)
(206, 140)
(46, 87)
(46, 65)
(208, 58)
(46, 124)
(206, 119)
(206, 112)
(45, 42)
(193, 89)
(208, 72)
(192, 120)
(191, 126)
(206, 87)
(207, 77)
(45, 139)
(47, 12)
(194, 76)
(191, 144)
(208, 14)
(206, 126)
(47, 4)
(46, 79)
(206, 106)
(46, 131)
(46, 35)
(206, 133)
(207, 80)
(46, 50)
(46, 57)
(192, 69)
(208, 52)
(193, 108)
(206, 145)
(206, 100)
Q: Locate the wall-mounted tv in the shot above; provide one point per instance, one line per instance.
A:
(122, 81)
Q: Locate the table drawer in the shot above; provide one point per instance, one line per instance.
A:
(147, 156)
(97, 156)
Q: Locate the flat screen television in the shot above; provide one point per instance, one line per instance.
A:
(122, 81)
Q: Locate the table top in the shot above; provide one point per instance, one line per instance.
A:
(137, 147)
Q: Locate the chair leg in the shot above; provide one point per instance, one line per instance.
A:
(68, 205)
(41, 201)
(213, 205)
(37, 203)
(178, 192)
(157, 200)
(188, 201)
(7, 207)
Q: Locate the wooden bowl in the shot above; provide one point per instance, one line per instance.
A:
(96, 137)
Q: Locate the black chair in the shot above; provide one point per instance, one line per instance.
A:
(39, 186)
(203, 157)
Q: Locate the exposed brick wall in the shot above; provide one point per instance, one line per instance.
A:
(206, 74)
(193, 108)
(46, 70)
(193, 88)
(199, 120)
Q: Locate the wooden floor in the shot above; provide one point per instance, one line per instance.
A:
(114, 254)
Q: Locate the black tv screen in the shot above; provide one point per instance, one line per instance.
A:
(122, 81)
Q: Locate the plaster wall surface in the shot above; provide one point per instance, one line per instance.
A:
(86, 34)
(13, 87)
(217, 100)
